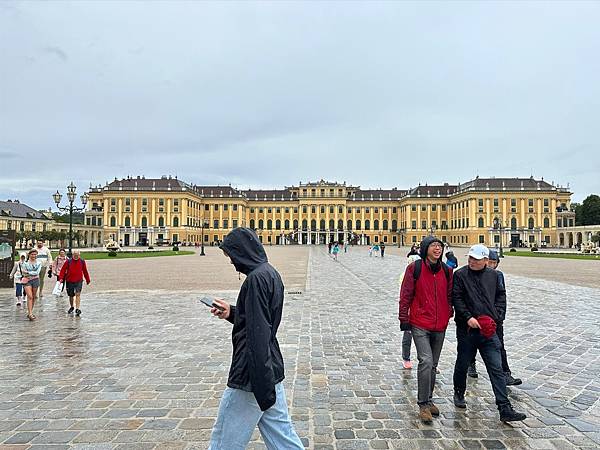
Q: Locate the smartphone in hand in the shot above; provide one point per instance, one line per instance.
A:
(209, 301)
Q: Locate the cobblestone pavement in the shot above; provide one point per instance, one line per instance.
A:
(145, 369)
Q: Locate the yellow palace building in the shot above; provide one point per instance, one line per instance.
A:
(515, 211)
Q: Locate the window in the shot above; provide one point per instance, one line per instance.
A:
(322, 225)
(349, 225)
(225, 208)
(286, 224)
(546, 222)
(376, 225)
(216, 207)
(559, 223)
(367, 210)
(414, 239)
(434, 207)
(278, 224)
(295, 224)
(161, 221)
(287, 210)
(144, 222)
(385, 225)
(322, 209)
(304, 209)
(423, 207)
(269, 210)
(175, 221)
(423, 224)
(127, 201)
(331, 210)
(367, 225)
(357, 227)
(313, 209)
(161, 202)
(340, 209)
(480, 203)
(278, 210)
(252, 224)
(394, 210)
(530, 223)
(394, 225)
(206, 207)
(513, 223)
(225, 223)
(376, 210)
(216, 223)
(235, 207)
(331, 225)
(480, 222)
(113, 222)
(269, 224)
(113, 202)
(413, 225)
(251, 210)
(481, 239)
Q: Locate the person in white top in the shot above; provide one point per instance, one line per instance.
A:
(44, 257)
(16, 274)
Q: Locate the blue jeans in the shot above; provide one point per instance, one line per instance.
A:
(238, 416)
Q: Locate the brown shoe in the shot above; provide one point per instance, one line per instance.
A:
(425, 414)
(434, 410)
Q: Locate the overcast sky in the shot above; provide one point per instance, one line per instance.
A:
(269, 94)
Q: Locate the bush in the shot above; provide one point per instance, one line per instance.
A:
(112, 253)
(513, 250)
(534, 249)
(175, 248)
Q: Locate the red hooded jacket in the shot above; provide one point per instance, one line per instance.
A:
(75, 270)
(427, 302)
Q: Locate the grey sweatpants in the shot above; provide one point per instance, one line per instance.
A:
(429, 347)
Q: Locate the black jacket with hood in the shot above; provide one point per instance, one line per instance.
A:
(257, 364)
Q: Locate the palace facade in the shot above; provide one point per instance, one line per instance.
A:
(511, 211)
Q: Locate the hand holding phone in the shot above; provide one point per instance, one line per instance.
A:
(210, 302)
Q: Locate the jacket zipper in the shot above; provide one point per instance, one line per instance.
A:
(435, 298)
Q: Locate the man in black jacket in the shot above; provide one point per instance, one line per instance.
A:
(479, 301)
(254, 394)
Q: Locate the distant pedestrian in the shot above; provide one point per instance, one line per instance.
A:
(479, 299)
(346, 247)
(16, 274)
(425, 309)
(370, 250)
(255, 394)
(451, 260)
(58, 263)
(335, 250)
(414, 250)
(44, 257)
(31, 280)
(329, 246)
(382, 249)
(72, 273)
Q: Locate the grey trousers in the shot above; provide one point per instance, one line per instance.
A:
(406, 343)
(42, 278)
(429, 347)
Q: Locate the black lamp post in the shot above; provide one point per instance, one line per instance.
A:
(498, 226)
(204, 225)
(71, 195)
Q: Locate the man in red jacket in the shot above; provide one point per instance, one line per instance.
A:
(72, 273)
(426, 309)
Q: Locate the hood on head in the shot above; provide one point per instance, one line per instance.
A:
(425, 243)
(245, 250)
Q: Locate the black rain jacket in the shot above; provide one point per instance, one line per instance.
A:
(477, 293)
(257, 364)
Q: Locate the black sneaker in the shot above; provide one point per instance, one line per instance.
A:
(508, 414)
(77, 312)
(511, 381)
(70, 311)
(459, 399)
(472, 371)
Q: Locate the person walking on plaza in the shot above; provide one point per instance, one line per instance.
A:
(31, 280)
(329, 246)
(58, 264)
(425, 309)
(16, 274)
(44, 257)
(492, 263)
(72, 273)
(479, 300)
(451, 260)
(406, 334)
(382, 249)
(414, 250)
(255, 394)
(335, 250)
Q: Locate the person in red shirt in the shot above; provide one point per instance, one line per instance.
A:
(425, 309)
(72, 273)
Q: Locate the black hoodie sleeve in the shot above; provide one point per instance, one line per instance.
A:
(458, 298)
(500, 300)
(231, 318)
(258, 335)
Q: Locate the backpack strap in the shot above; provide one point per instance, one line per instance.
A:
(417, 269)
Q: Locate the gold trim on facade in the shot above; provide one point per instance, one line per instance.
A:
(517, 211)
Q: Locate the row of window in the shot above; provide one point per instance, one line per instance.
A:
(322, 209)
(21, 226)
(323, 226)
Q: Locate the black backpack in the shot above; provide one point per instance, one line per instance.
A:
(419, 267)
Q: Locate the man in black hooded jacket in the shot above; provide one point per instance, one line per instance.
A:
(254, 394)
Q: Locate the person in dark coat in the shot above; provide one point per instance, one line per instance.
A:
(414, 250)
(479, 299)
(255, 393)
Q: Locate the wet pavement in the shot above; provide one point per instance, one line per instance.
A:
(146, 368)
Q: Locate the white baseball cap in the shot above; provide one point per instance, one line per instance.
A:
(479, 251)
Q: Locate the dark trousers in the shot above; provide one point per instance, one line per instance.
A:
(469, 340)
(429, 346)
(406, 343)
(500, 333)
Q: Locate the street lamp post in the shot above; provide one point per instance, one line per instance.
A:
(498, 226)
(204, 225)
(71, 195)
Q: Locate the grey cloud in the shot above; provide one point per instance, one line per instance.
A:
(56, 51)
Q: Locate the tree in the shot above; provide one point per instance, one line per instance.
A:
(577, 209)
(590, 210)
(64, 218)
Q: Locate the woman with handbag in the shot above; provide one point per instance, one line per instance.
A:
(57, 265)
(31, 280)
(17, 274)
